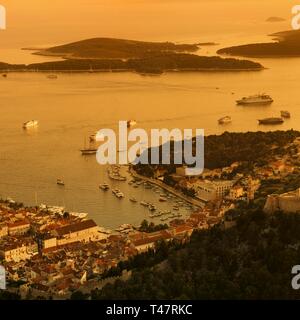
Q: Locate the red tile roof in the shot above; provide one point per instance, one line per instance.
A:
(79, 226)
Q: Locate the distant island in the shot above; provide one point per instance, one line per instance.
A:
(109, 48)
(286, 44)
(115, 55)
(275, 19)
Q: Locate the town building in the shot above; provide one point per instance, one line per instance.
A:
(236, 192)
(3, 230)
(18, 228)
(83, 231)
(287, 202)
(17, 250)
(212, 190)
(147, 241)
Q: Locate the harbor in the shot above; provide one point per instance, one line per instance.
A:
(58, 140)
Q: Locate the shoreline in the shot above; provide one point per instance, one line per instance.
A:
(198, 203)
(132, 70)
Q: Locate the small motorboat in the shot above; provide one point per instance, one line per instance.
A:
(52, 76)
(285, 114)
(225, 120)
(162, 199)
(120, 195)
(60, 182)
(30, 124)
(104, 186)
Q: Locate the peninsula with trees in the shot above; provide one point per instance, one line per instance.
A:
(285, 44)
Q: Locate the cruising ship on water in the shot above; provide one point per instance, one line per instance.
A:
(255, 99)
(30, 124)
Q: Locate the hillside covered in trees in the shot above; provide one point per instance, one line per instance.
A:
(252, 148)
(252, 260)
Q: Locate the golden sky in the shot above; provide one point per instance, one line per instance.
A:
(34, 22)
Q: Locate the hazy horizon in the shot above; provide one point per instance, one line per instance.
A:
(34, 23)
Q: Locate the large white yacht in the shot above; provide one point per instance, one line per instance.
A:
(255, 99)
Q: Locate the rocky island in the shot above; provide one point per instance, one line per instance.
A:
(275, 19)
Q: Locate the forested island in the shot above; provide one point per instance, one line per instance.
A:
(109, 48)
(286, 44)
(116, 55)
(153, 64)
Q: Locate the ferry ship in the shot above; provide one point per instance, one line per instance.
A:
(30, 124)
(255, 99)
(225, 120)
(271, 121)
